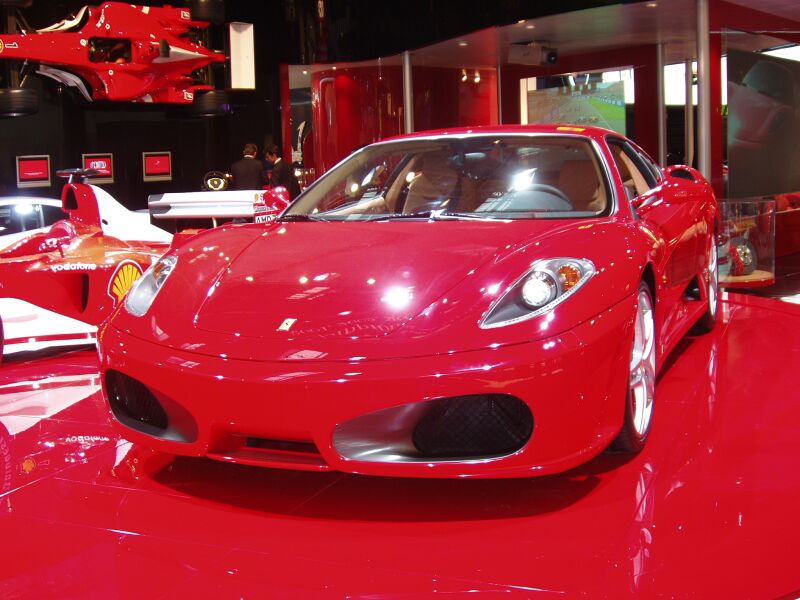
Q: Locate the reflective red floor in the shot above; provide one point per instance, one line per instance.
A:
(707, 510)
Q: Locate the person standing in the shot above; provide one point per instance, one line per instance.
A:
(247, 172)
(282, 173)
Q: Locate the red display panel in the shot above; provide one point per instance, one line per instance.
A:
(102, 162)
(33, 171)
(157, 166)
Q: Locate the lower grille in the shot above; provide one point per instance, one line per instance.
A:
(473, 426)
(132, 399)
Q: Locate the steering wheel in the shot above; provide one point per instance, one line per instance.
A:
(548, 189)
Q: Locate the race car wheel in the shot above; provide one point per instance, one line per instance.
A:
(642, 378)
(211, 104)
(212, 11)
(709, 319)
(18, 102)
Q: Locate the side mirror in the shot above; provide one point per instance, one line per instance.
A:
(682, 172)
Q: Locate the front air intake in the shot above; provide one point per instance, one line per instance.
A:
(134, 404)
(473, 426)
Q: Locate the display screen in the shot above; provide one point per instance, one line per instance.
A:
(103, 163)
(157, 166)
(33, 171)
(597, 103)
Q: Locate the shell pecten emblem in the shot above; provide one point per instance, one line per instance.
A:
(126, 273)
(2, 46)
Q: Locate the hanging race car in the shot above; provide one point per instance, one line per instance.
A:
(118, 52)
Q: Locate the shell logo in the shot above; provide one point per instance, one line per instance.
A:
(2, 47)
(126, 273)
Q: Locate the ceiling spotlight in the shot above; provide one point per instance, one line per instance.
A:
(462, 44)
(651, 4)
(477, 78)
(463, 74)
(530, 26)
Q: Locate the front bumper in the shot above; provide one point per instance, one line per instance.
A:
(574, 384)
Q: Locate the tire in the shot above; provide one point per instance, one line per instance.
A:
(706, 323)
(639, 400)
(18, 102)
(212, 11)
(211, 104)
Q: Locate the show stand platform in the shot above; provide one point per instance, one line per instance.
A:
(707, 510)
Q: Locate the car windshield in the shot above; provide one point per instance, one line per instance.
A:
(474, 177)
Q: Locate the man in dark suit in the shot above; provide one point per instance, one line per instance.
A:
(282, 172)
(247, 172)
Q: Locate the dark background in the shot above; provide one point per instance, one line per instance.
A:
(286, 31)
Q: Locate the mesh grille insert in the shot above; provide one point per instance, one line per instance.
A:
(130, 398)
(473, 426)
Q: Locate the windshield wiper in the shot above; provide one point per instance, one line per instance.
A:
(433, 215)
(300, 217)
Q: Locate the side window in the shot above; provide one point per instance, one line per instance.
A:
(636, 178)
(650, 165)
(51, 214)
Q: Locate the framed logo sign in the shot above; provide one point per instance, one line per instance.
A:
(102, 162)
(33, 171)
(157, 166)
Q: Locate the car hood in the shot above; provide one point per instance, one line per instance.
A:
(348, 280)
(311, 291)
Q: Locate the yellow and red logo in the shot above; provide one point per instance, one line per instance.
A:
(126, 273)
(2, 46)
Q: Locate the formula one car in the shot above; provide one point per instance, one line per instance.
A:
(119, 52)
(492, 302)
(57, 284)
(21, 216)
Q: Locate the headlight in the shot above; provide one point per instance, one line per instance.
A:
(145, 289)
(546, 285)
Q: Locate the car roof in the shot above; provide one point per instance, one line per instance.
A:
(596, 133)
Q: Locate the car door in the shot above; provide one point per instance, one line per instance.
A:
(664, 209)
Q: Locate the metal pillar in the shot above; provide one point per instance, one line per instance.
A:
(688, 128)
(703, 90)
(662, 107)
(408, 94)
(499, 78)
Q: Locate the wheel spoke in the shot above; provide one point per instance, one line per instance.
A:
(643, 366)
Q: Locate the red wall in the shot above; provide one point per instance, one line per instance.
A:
(353, 107)
(357, 106)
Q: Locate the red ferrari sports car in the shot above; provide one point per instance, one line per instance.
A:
(487, 302)
(120, 52)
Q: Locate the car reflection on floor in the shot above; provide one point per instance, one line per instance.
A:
(703, 511)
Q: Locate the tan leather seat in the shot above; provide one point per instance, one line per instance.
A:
(579, 180)
(433, 185)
